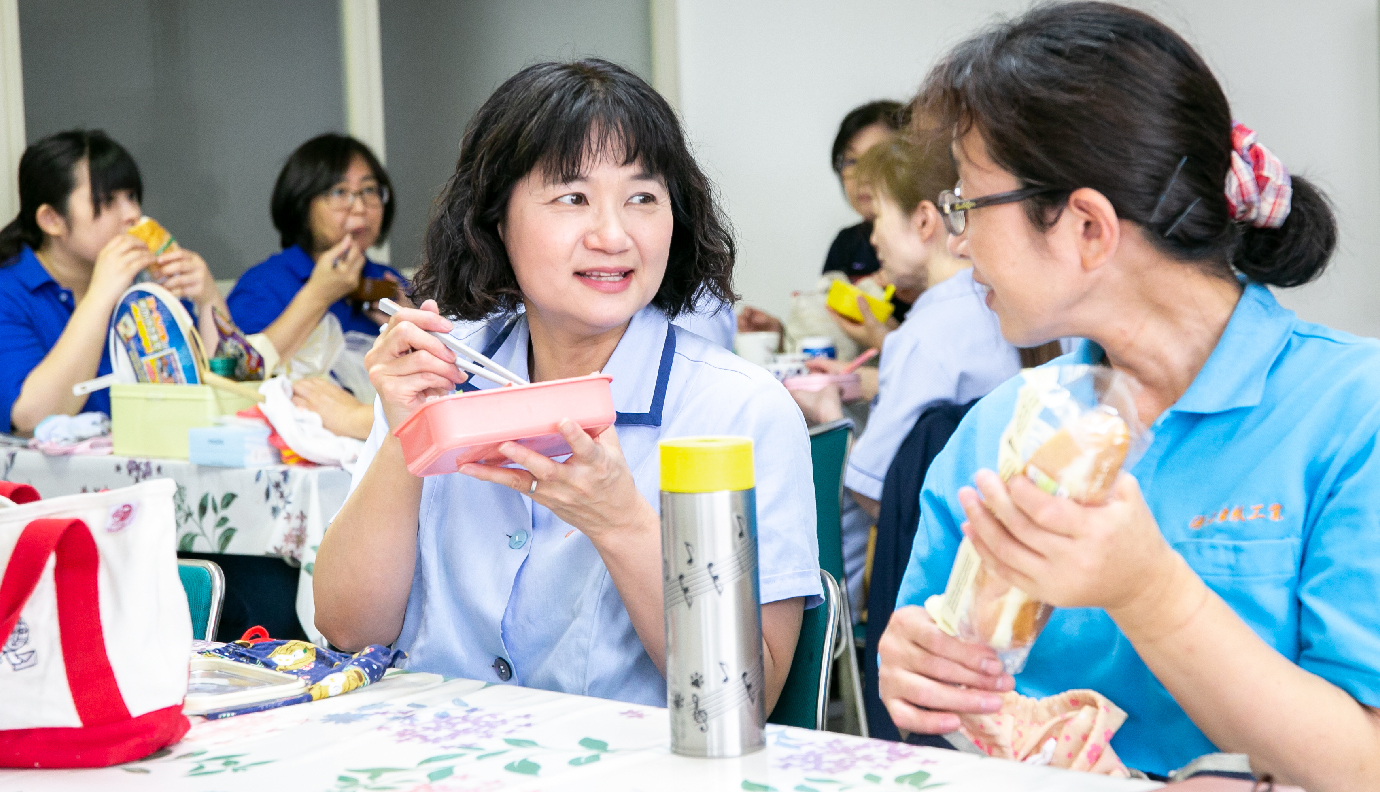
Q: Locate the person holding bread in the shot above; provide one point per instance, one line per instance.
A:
(1227, 593)
(331, 203)
(65, 260)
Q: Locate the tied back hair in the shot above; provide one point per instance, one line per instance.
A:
(47, 175)
(1097, 95)
(558, 119)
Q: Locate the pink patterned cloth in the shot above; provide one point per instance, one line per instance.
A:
(1072, 730)
(1258, 187)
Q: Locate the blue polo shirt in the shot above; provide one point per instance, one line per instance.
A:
(1264, 476)
(264, 291)
(34, 312)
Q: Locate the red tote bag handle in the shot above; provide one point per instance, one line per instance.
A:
(19, 493)
(89, 675)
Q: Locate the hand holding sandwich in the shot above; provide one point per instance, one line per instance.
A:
(1062, 552)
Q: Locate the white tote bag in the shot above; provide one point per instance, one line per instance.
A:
(98, 634)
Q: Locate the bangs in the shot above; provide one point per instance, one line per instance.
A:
(591, 119)
(111, 170)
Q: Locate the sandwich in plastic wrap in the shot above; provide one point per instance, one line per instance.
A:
(1072, 430)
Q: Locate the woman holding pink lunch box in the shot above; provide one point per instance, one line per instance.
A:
(576, 227)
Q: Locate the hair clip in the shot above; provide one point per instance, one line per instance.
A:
(1165, 193)
(1182, 216)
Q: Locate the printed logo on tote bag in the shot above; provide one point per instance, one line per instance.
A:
(19, 638)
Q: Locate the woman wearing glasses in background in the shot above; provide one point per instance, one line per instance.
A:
(331, 203)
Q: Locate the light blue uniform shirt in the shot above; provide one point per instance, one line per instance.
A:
(1264, 476)
(712, 320)
(499, 577)
(949, 349)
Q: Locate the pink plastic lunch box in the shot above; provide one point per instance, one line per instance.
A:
(469, 427)
(850, 385)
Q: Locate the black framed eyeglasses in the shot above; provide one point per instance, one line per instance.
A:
(954, 208)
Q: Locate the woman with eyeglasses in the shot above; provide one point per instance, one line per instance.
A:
(1227, 596)
(331, 203)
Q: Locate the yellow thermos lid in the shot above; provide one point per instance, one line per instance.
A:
(706, 464)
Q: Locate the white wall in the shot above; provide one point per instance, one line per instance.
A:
(209, 98)
(763, 86)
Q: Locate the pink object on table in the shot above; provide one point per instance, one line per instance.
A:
(469, 427)
(1072, 730)
(850, 385)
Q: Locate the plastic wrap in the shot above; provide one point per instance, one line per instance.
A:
(1072, 430)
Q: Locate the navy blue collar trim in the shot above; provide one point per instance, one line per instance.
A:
(663, 375)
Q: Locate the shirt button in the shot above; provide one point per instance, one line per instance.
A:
(517, 539)
(502, 669)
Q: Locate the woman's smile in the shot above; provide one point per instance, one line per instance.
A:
(605, 279)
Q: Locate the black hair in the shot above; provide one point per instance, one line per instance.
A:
(47, 175)
(1097, 95)
(314, 168)
(558, 117)
(892, 115)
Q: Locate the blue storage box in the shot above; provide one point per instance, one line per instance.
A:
(231, 446)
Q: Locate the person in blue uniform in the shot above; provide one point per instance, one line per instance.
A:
(1227, 596)
(575, 227)
(65, 260)
(332, 202)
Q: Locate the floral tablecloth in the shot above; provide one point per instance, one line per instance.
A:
(415, 733)
(278, 511)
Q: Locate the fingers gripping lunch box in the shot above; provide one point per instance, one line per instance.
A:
(453, 430)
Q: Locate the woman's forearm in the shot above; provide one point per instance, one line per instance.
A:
(76, 357)
(363, 572)
(1244, 695)
(633, 559)
(296, 322)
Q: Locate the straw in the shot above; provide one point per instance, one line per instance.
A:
(491, 371)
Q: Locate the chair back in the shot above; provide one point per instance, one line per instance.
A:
(205, 587)
(829, 445)
(897, 522)
(804, 700)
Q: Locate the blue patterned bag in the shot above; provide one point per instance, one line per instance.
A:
(326, 673)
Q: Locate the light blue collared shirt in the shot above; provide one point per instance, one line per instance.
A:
(948, 350)
(499, 576)
(1264, 476)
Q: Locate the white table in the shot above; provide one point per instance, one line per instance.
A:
(413, 732)
(276, 511)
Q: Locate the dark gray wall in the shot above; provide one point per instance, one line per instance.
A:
(442, 59)
(209, 97)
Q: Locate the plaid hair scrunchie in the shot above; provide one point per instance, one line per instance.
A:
(1258, 187)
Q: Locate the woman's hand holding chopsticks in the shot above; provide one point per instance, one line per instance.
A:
(409, 365)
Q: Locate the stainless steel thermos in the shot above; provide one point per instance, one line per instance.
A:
(714, 678)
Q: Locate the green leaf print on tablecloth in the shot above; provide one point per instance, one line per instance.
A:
(192, 523)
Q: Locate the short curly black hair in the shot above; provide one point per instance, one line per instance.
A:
(557, 117)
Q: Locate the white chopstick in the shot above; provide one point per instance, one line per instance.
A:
(93, 385)
(492, 371)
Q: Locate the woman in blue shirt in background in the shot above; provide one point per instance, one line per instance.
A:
(575, 227)
(66, 261)
(1227, 596)
(332, 202)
